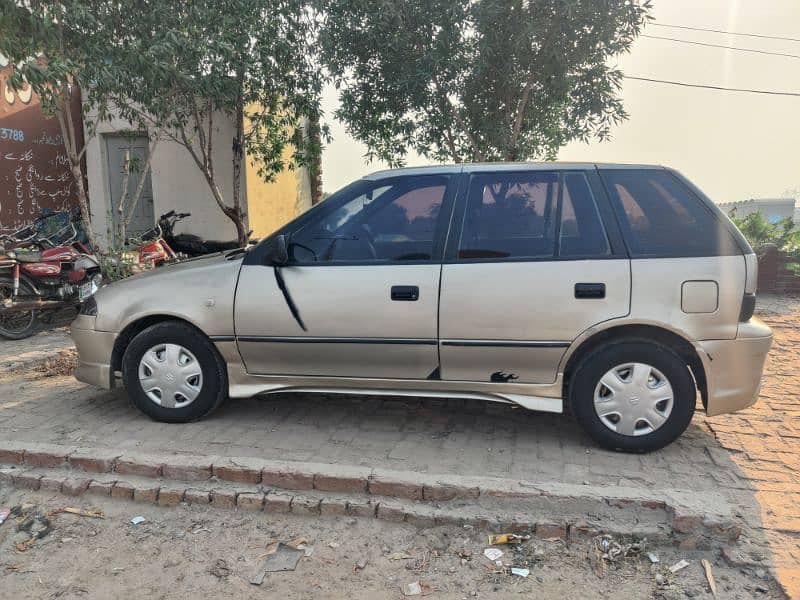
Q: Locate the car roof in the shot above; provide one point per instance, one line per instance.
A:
(504, 166)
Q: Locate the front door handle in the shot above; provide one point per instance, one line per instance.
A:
(590, 290)
(405, 293)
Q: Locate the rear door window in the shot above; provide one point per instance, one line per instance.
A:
(660, 217)
(510, 215)
(531, 215)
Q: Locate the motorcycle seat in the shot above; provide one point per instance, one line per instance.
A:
(28, 257)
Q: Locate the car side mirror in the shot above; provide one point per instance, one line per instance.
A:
(278, 252)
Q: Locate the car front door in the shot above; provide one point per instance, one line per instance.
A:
(529, 267)
(363, 274)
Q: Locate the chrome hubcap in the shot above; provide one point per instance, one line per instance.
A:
(170, 375)
(633, 399)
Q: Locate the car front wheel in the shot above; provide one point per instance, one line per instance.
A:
(635, 396)
(173, 373)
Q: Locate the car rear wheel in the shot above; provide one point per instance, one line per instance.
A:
(634, 396)
(172, 373)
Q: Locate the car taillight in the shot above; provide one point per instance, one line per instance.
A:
(748, 307)
(750, 284)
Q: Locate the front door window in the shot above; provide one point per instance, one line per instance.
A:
(377, 222)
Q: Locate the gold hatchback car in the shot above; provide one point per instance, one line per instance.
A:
(615, 293)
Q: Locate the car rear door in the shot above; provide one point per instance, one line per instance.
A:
(532, 261)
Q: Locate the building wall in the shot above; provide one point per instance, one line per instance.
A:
(272, 205)
(772, 209)
(178, 184)
(34, 169)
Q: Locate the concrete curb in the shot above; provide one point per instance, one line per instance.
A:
(313, 488)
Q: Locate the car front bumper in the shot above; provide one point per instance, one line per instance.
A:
(94, 352)
(734, 367)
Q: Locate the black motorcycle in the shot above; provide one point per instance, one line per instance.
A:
(188, 243)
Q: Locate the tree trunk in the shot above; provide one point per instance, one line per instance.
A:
(237, 214)
(83, 204)
(122, 223)
(68, 133)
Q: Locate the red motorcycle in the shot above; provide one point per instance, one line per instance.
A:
(40, 273)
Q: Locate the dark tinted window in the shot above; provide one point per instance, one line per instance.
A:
(510, 215)
(661, 217)
(389, 220)
(581, 232)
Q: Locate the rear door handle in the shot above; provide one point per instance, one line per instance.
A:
(405, 293)
(590, 290)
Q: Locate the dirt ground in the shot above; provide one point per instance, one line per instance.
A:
(203, 552)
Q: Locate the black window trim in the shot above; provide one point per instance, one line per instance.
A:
(617, 248)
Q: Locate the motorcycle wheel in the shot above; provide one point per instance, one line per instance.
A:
(16, 325)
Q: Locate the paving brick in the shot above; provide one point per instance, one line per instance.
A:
(388, 511)
(27, 481)
(170, 496)
(93, 460)
(686, 523)
(223, 498)
(277, 502)
(146, 494)
(187, 470)
(395, 488)
(140, 466)
(122, 490)
(75, 486)
(46, 460)
(100, 488)
(51, 484)
(238, 470)
(421, 516)
(250, 500)
(11, 456)
(364, 508)
(193, 496)
(305, 505)
(343, 479)
(333, 506)
(445, 492)
(287, 480)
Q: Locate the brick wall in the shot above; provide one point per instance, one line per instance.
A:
(774, 274)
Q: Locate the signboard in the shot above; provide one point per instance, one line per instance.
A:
(34, 169)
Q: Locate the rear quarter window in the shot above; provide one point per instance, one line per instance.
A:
(661, 217)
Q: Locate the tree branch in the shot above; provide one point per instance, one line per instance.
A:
(511, 153)
(476, 151)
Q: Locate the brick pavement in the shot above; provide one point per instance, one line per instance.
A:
(764, 442)
(751, 457)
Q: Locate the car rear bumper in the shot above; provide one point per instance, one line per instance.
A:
(734, 367)
(94, 352)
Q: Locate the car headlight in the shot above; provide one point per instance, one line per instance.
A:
(89, 307)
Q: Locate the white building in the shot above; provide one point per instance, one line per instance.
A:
(772, 209)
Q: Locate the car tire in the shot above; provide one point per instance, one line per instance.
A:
(173, 373)
(26, 327)
(633, 396)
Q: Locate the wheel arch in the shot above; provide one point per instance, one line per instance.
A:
(135, 327)
(642, 331)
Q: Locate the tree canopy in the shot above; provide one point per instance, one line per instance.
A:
(478, 80)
